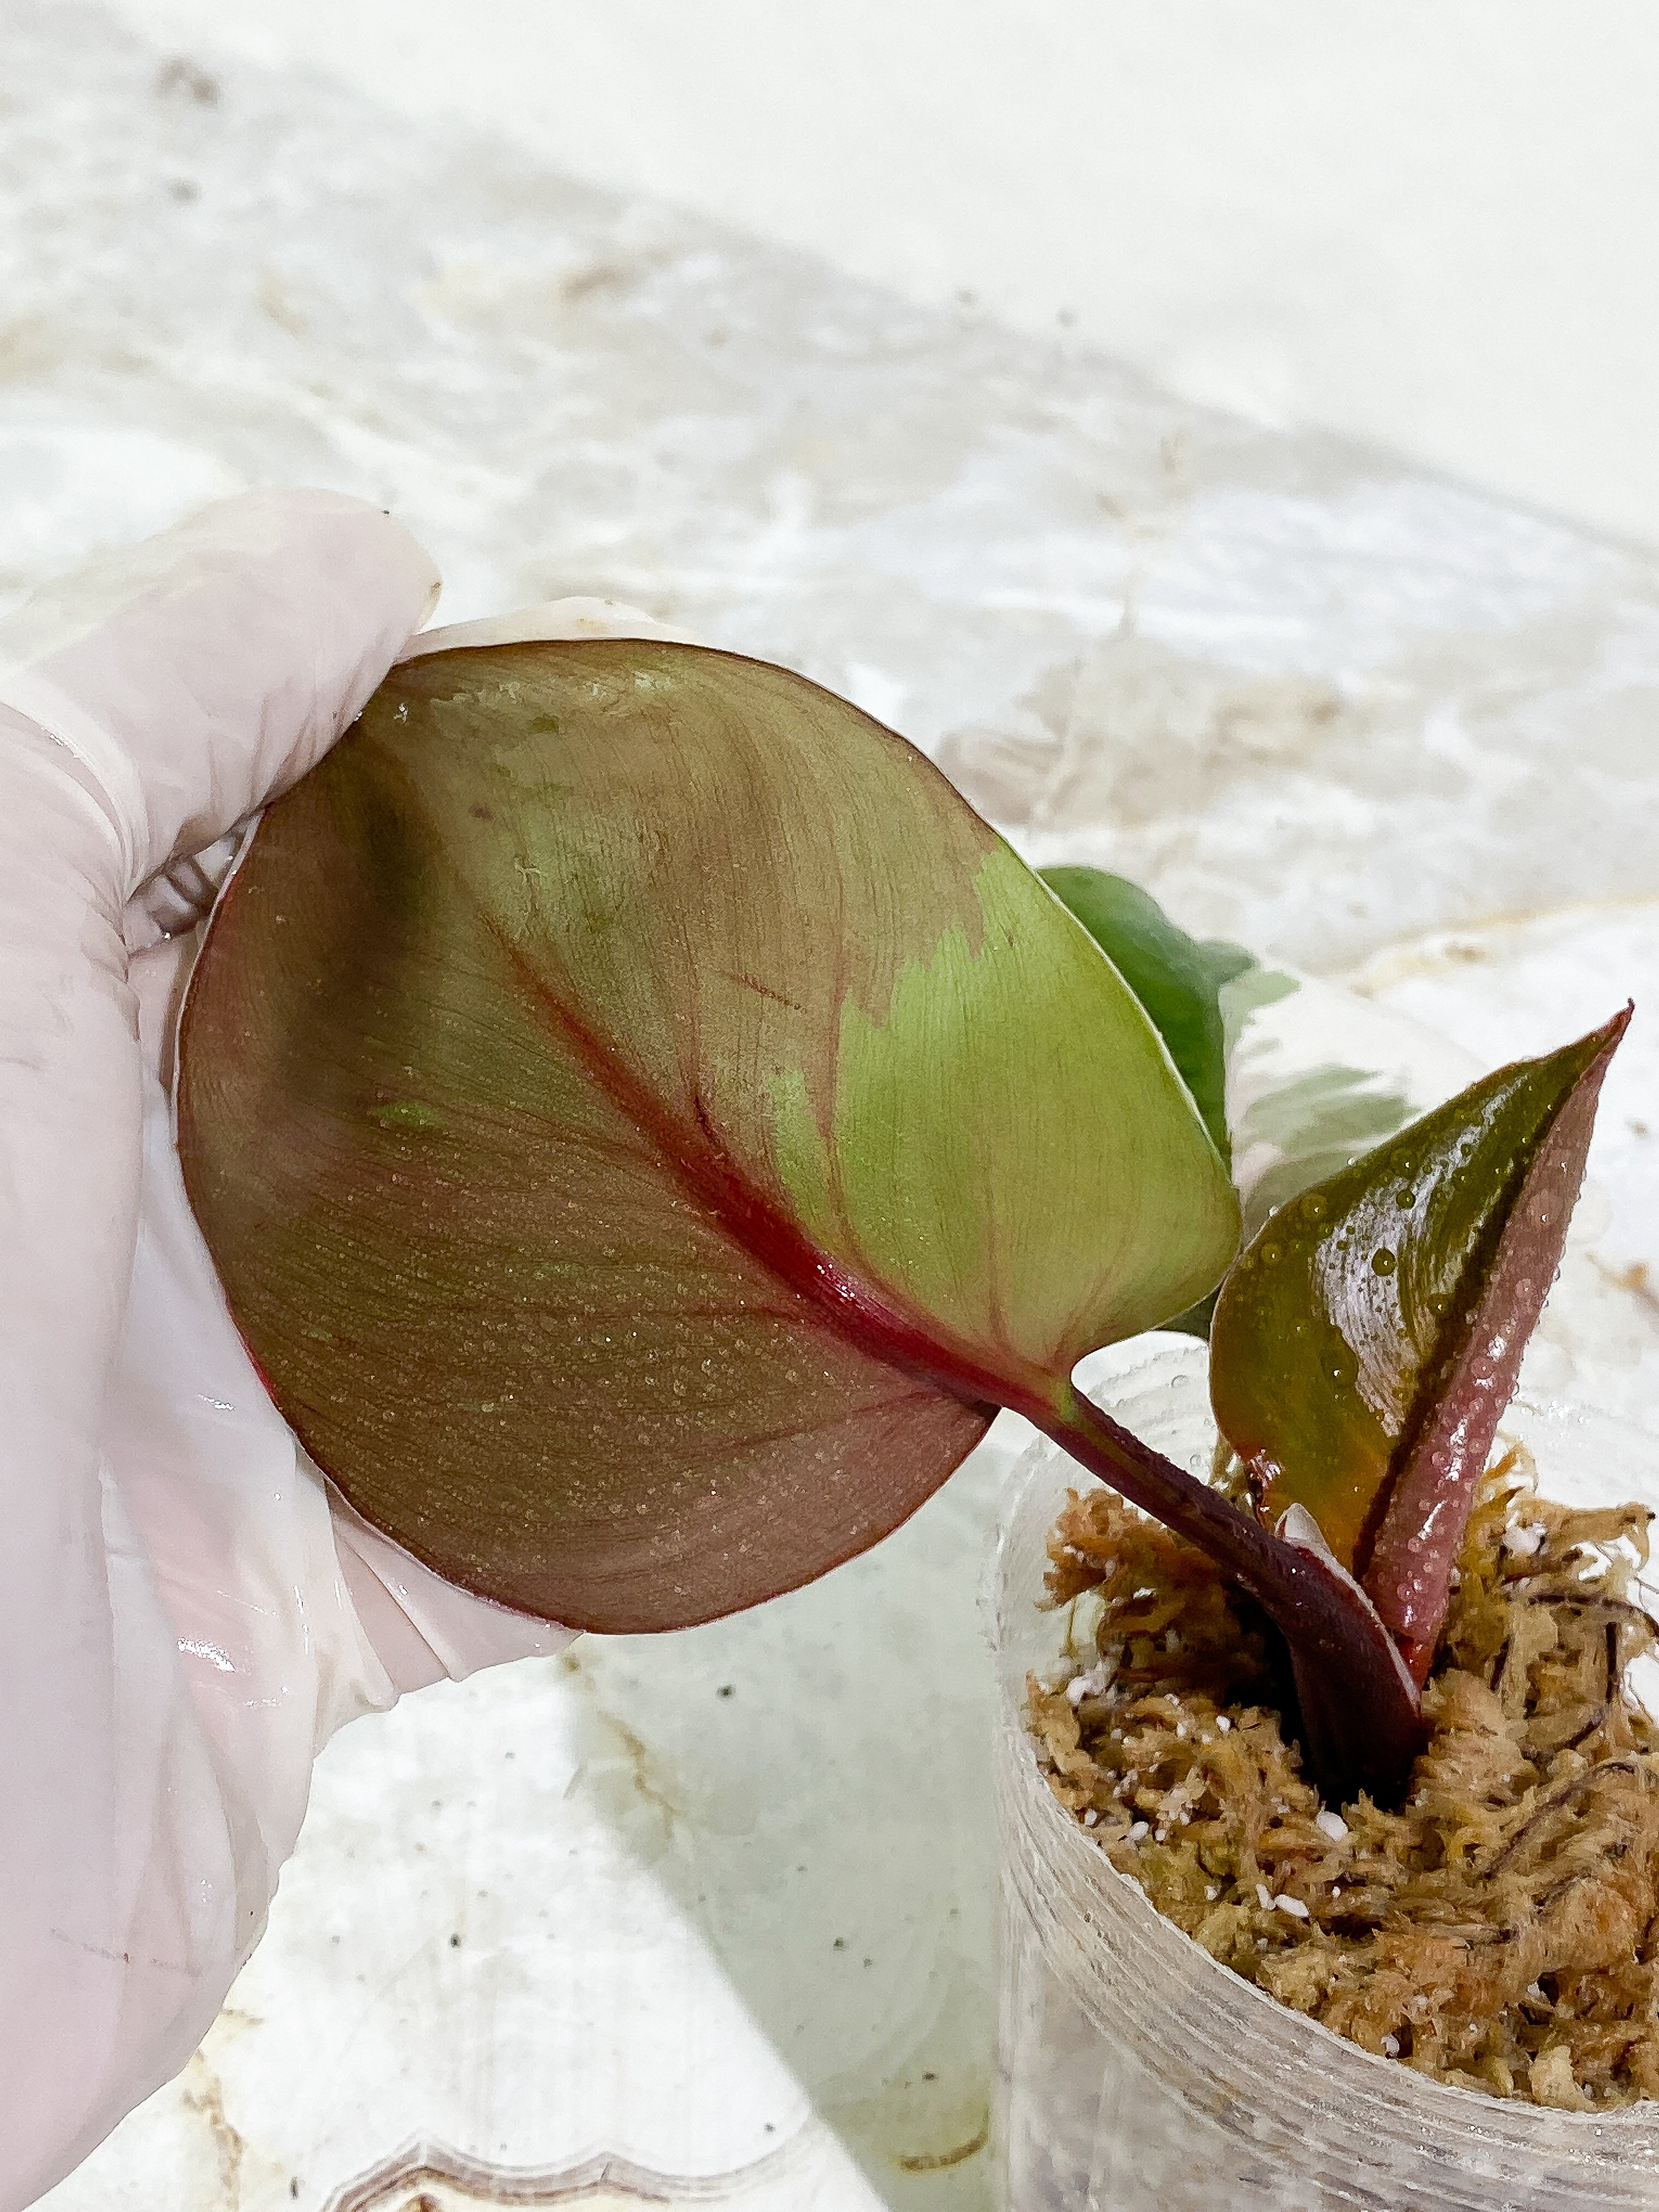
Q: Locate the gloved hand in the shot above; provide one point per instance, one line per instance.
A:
(190, 1612)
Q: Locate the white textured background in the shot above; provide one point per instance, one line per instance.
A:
(1429, 223)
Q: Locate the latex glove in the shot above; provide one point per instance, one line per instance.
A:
(187, 1613)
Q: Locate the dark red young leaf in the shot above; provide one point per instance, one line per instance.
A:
(1365, 1343)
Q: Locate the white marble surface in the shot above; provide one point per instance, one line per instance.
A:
(718, 1906)
(1419, 221)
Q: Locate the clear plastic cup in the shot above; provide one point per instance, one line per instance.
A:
(1139, 2074)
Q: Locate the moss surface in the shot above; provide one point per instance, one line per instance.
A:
(1500, 1929)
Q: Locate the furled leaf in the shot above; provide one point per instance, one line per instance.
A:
(1408, 1572)
(645, 1120)
(1365, 1343)
(1175, 977)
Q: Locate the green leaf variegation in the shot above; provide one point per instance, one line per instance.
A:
(645, 1122)
(1175, 977)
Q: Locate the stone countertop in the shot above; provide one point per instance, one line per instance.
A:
(712, 1914)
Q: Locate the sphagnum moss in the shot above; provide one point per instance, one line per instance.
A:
(1500, 1929)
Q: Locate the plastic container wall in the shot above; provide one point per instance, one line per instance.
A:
(1139, 2074)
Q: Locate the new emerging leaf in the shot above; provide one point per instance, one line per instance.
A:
(1365, 1346)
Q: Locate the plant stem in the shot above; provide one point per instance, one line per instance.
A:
(1362, 1721)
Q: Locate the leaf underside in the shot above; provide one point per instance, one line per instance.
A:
(645, 1121)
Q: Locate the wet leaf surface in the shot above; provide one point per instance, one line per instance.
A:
(1367, 1342)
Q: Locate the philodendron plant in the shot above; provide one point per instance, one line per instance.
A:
(647, 1124)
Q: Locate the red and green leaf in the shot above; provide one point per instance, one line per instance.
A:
(645, 1122)
(1365, 1344)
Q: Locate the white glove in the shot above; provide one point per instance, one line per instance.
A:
(189, 1613)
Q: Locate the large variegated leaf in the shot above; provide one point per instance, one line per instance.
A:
(645, 1119)
(1365, 1343)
